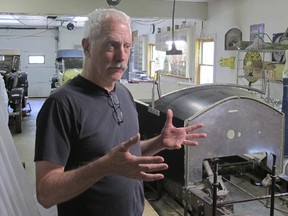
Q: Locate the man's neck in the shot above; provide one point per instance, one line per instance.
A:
(105, 85)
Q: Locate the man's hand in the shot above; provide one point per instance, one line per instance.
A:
(123, 163)
(174, 138)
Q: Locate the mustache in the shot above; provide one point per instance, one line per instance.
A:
(117, 65)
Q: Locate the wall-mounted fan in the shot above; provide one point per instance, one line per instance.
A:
(253, 66)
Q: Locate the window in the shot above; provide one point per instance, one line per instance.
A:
(156, 59)
(37, 59)
(205, 61)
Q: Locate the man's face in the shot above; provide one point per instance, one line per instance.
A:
(110, 52)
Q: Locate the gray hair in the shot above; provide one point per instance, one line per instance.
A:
(96, 19)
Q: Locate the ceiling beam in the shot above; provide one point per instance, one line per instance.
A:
(134, 8)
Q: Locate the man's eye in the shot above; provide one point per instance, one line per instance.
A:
(110, 46)
(128, 46)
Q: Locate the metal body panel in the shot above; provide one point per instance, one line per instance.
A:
(236, 122)
(186, 102)
(236, 126)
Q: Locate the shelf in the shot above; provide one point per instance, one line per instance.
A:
(256, 69)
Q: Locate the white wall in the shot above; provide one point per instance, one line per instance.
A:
(222, 16)
(33, 42)
(143, 26)
(226, 14)
(40, 42)
(70, 39)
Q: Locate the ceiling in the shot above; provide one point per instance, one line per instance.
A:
(58, 13)
(32, 21)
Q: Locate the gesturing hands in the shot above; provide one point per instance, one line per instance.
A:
(174, 138)
(122, 162)
(137, 167)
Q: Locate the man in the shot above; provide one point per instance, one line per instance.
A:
(89, 159)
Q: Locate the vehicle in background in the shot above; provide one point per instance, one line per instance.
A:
(68, 64)
(16, 84)
(141, 78)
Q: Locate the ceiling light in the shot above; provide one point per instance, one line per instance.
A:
(8, 21)
(3, 16)
(64, 18)
(174, 50)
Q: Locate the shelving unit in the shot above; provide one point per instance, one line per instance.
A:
(140, 46)
(255, 67)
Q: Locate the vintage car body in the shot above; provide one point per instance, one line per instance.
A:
(68, 64)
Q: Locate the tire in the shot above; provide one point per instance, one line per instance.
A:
(18, 118)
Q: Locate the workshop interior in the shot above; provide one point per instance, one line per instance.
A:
(217, 62)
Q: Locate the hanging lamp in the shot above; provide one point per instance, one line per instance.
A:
(174, 50)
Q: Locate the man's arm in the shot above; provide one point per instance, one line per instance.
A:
(55, 186)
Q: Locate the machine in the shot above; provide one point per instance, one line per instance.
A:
(16, 84)
(238, 169)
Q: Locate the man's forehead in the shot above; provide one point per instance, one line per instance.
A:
(114, 39)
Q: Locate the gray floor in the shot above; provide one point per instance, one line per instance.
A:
(25, 146)
(24, 143)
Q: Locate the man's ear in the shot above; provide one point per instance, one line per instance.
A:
(85, 45)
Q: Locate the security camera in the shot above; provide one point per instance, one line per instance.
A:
(113, 2)
(70, 26)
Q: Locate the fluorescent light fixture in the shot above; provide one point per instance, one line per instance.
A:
(80, 19)
(3, 16)
(65, 18)
(8, 21)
